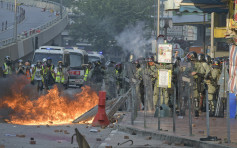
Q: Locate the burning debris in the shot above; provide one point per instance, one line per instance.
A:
(51, 108)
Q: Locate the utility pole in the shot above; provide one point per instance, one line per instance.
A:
(15, 25)
(204, 33)
(158, 18)
(212, 52)
(158, 27)
(61, 9)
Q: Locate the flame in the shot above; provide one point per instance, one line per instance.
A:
(52, 108)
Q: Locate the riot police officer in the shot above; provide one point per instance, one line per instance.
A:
(203, 75)
(212, 83)
(140, 86)
(193, 70)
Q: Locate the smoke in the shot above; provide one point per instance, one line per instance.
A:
(132, 39)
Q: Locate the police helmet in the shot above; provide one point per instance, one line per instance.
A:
(216, 64)
(201, 57)
(151, 59)
(208, 59)
(192, 56)
(49, 58)
(138, 65)
(20, 61)
(44, 60)
(7, 58)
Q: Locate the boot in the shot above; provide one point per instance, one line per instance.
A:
(196, 113)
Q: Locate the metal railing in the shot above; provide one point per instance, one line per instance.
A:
(34, 31)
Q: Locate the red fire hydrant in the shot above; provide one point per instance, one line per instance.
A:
(101, 118)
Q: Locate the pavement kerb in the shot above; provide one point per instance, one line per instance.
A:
(170, 138)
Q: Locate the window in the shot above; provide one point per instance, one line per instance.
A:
(75, 60)
(55, 57)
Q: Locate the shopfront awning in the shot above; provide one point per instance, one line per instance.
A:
(198, 6)
(205, 6)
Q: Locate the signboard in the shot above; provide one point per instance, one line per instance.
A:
(165, 53)
(165, 77)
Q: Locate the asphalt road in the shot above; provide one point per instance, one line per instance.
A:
(34, 17)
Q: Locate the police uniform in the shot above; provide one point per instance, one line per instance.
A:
(212, 83)
(140, 86)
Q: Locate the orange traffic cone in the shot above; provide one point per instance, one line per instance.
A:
(101, 118)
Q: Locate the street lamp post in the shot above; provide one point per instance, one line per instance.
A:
(61, 9)
(15, 22)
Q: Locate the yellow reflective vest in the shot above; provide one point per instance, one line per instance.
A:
(59, 77)
(8, 69)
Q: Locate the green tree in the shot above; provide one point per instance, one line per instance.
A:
(99, 21)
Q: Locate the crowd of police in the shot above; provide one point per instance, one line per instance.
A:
(200, 69)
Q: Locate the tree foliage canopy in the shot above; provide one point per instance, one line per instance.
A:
(99, 21)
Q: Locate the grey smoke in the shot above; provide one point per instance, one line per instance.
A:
(132, 39)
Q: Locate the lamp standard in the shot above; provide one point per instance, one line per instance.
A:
(15, 22)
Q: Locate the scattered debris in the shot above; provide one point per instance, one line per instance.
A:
(93, 130)
(225, 140)
(32, 141)
(179, 144)
(47, 125)
(148, 138)
(2, 146)
(98, 139)
(167, 142)
(61, 131)
(61, 141)
(68, 126)
(56, 131)
(133, 133)
(201, 132)
(193, 125)
(126, 137)
(180, 117)
(126, 142)
(66, 132)
(21, 136)
(38, 126)
(108, 147)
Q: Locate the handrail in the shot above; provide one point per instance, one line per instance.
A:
(33, 31)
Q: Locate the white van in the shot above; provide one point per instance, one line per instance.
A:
(95, 56)
(56, 53)
(78, 60)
